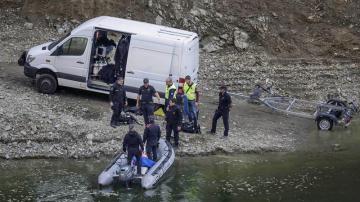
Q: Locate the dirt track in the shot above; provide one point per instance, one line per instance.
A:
(75, 123)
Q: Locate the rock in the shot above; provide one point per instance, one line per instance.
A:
(60, 30)
(158, 20)
(28, 25)
(225, 36)
(211, 46)
(2, 97)
(23, 132)
(336, 147)
(90, 136)
(150, 3)
(240, 40)
(7, 128)
(33, 128)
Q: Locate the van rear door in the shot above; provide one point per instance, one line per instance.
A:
(190, 59)
(148, 58)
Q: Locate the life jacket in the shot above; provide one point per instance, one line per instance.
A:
(167, 90)
(189, 91)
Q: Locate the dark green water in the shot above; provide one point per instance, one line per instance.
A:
(320, 174)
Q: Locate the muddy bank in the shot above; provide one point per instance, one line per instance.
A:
(75, 124)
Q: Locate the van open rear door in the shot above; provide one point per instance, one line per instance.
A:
(148, 58)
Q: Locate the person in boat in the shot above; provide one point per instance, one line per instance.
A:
(173, 121)
(118, 100)
(133, 144)
(151, 138)
(223, 111)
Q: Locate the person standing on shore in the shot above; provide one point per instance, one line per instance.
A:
(191, 99)
(170, 91)
(145, 100)
(173, 121)
(223, 111)
(118, 100)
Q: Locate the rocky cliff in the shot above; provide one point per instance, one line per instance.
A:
(308, 48)
(300, 28)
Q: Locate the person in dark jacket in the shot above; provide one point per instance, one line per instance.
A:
(173, 121)
(118, 100)
(134, 146)
(151, 137)
(145, 100)
(223, 111)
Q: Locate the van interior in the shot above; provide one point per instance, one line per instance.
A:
(108, 58)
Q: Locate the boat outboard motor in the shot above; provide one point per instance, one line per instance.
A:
(126, 173)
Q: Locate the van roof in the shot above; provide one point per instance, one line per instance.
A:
(135, 27)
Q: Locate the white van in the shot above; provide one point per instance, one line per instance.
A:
(93, 54)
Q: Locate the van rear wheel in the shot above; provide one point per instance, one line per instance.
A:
(46, 83)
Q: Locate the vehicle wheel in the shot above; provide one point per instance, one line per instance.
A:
(46, 83)
(324, 123)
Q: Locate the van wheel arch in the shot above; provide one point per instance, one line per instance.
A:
(46, 81)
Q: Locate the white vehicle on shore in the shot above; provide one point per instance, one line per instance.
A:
(100, 49)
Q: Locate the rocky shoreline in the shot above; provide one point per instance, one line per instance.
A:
(75, 124)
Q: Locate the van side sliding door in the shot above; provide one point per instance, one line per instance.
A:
(148, 59)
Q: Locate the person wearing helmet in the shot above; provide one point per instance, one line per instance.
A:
(145, 101)
(118, 100)
(173, 121)
(151, 138)
(133, 145)
(222, 111)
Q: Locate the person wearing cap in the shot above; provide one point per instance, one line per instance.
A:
(173, 121)
(223, 111)
(170, 91)
(145, 100)
(192, 97)
(118, 100)
(151, 138)
(133, 145)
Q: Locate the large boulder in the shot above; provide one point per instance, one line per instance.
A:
(241, 39)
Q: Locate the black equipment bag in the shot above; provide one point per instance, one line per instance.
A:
(189, 127)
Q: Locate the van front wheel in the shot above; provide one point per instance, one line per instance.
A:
(46, 83)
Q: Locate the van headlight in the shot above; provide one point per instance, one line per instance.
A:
(30, 58)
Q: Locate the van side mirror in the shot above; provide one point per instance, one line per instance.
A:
(58, 51)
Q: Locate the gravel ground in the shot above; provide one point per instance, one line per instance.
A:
(74, 123)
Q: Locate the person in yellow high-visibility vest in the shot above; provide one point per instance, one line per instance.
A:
(192, 97)
(170, 91)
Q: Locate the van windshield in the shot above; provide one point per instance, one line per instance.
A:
(53, 44)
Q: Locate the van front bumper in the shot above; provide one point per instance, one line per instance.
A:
(29, 70)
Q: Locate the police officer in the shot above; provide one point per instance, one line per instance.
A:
(118, 100)
(223, 111)
(134, 146)
(192, 97)
(145, 100)
(151, 137)
(170, 91)
(173, 121)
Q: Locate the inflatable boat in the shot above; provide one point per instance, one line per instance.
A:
(120, 171)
